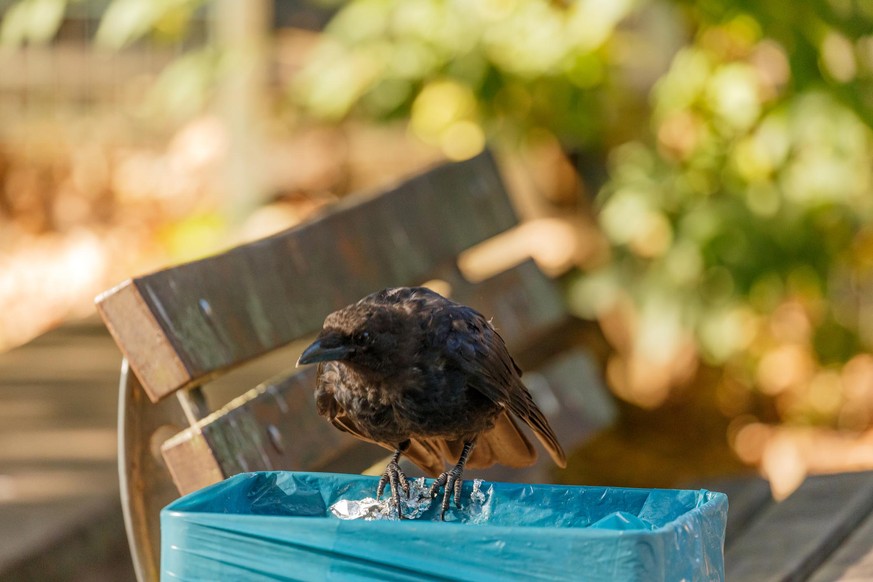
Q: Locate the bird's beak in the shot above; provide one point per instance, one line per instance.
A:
(319, 352)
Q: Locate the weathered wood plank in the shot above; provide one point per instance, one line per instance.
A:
(273, 426)
(791, 539)
(748, 498)
(60, 516)
(190, 461)
(227, 309)
(137, 331)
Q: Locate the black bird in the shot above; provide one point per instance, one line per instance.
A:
(428, 378)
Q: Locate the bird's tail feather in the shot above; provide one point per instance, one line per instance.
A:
(428, 454)
(504, 444)
(537, 421)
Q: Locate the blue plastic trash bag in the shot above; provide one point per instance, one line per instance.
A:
(279, 526)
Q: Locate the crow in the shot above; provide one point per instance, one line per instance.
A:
(428, 378)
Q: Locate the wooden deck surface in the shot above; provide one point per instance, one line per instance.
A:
(822, 532)
(60, 517)
(60, 513)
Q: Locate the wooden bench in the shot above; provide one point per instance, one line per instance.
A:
(183, 327)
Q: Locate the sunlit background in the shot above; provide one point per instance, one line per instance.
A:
(698, 174)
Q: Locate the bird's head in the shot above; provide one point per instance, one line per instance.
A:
(361, 335)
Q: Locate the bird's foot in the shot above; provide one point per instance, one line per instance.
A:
(394, 476)
(452, 482)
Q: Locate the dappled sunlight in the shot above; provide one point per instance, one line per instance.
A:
(429, 59)
(444, 115)
(79, 219)
(43, 280)
(556, 244)
(786, 455)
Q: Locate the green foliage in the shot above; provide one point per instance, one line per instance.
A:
(751, 196)
(827, 42)
(747, 216)
(184, 87)
(464, 70)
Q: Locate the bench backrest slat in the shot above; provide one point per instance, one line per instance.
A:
(276, 425)
(224, 310)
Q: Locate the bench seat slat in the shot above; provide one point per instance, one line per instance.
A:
(276, 425)
(791, 539)
(853, 560)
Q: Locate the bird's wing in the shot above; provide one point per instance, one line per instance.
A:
(497, 376)
(504, 444)
(428, 454)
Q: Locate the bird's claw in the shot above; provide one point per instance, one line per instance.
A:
(452, 482)
(394, 476)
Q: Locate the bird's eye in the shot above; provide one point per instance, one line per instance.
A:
(363, 338)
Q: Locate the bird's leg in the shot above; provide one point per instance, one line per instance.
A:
(452, 481)
(394, 475)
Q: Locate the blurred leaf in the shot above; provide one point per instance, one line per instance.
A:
(16, 24)
(126, 21)
(764, 179)
(195, 236)
(172, 23)
(184, 87)
(35, 21)
(45, 19)
(834, 343)
(821, 38)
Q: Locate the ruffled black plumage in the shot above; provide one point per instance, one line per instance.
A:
(415, 372)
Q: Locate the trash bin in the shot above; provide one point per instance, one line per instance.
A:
(279, 525)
